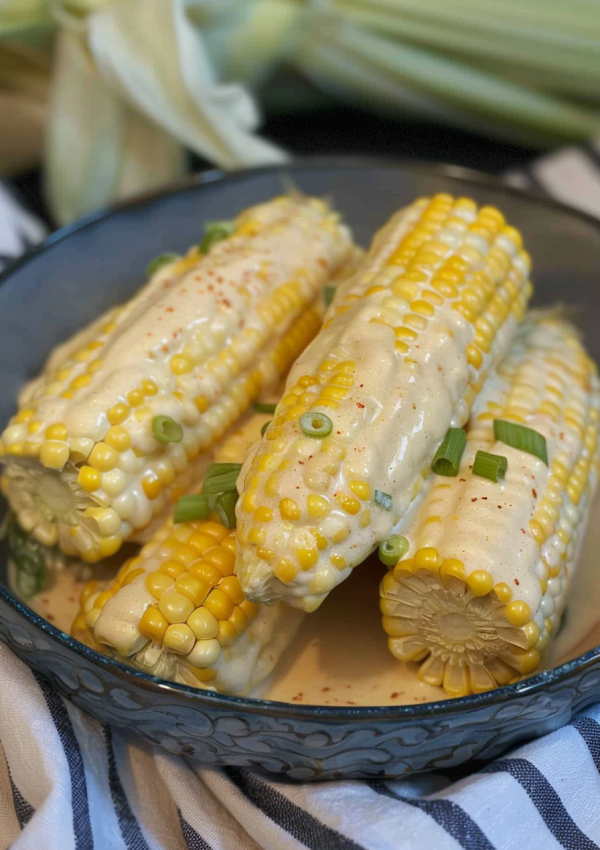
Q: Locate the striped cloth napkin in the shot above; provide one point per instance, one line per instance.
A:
(67, 782)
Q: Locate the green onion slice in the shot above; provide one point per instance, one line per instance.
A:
(29, 558)
(225, 507)
(384, 500)
(166, 430)
(158, 262)
(490, 466)
(264, 407)
(264, 428)
(191, 507)
(329, 294)
(215, 231)
(315, 425)
(522, 438)
(221, 477)
(392, 549)
(447, 458)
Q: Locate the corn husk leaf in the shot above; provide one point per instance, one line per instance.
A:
(98, 148)
(19, 17)
(150, 53)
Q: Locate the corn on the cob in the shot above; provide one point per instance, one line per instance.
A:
(83, 467)
(177, 610)
(401, 356)
(482, 587)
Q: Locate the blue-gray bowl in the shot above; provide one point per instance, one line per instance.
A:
(81, 271)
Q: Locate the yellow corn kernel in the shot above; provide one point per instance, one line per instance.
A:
(518, 613)
(152, 486)
(203, 624)
(175, 606)
(135, 397)
(480, 582)
(249, 502)
(452, 567)
(231, 586)
(316, 506)
(206, 572)
(58, 431)
(181, 365)
(54, 455)
(192, 587)
(172, 568)
(215, 530)
(289, 510)
(219, 604)
(118, 414)
(360, 489)
(263, 514)
(109, 545)
(201, 541)
(307, 558)
(428, 558)
(153, 625)
(131, 576)
(89, 479)
(179, 638)
(286, 570)
(348, 503)
(158, 583)
(103, 457)
(221, 557)
(238, 620)
(503, 592)
(338, 562)
(118, 438)
(148, 387)
(265, 554)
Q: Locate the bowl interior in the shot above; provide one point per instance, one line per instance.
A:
(88, 268)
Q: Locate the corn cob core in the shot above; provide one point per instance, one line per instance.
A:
(403, 352)
(481, 591)
(197, 344)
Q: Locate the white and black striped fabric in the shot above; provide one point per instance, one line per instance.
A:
(69, 783)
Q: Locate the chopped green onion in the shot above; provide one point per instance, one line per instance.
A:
(522, 438)
(315, 425)
(329, 294)
(166, 430)
(384, 500)
(215, 231)
(191, 507)
(158, 262)
(392, 549)
(225, 507)
(264, 428)
(221, 477)
(29, 558)
(490, 466)
(447, 458)
(264, 407)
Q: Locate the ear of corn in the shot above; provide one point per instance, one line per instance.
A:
(177, 610)
(403, 353)
(83, 467)
(480, 593)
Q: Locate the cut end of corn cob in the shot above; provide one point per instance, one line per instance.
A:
(480, 594)
(177, 610)
(85, 468)
(403, 353)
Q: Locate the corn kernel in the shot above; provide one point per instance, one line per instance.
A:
(316, 506)
(158, 583)
(206, 572)
(480, 582)
(89, 479)
(173, 569)
(307, 558)
(238, 620)
(118, 438)
(205, 653)
(179, 638)
(203, 623)
(181, 365)
(221, 557)
(286, 570)
(135, 397)
(53, 455)
(57, 431)
(231, 586)
(175, 606)
(149, 387)
(289, 510)
(219, 604)
(109, 545)
(192, 587)
(118, 414)
(360, 489)
(263, 514)
(103, 457)
(227, 633)
(518, 613)
(153, 625)
(348, 503)
(338, 562)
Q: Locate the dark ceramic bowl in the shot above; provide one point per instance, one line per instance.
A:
(84, 269)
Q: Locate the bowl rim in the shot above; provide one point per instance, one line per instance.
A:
(199, 697)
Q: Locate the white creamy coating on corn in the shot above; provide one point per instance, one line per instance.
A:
(196, 344)
(517, 537)
(393, 369)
